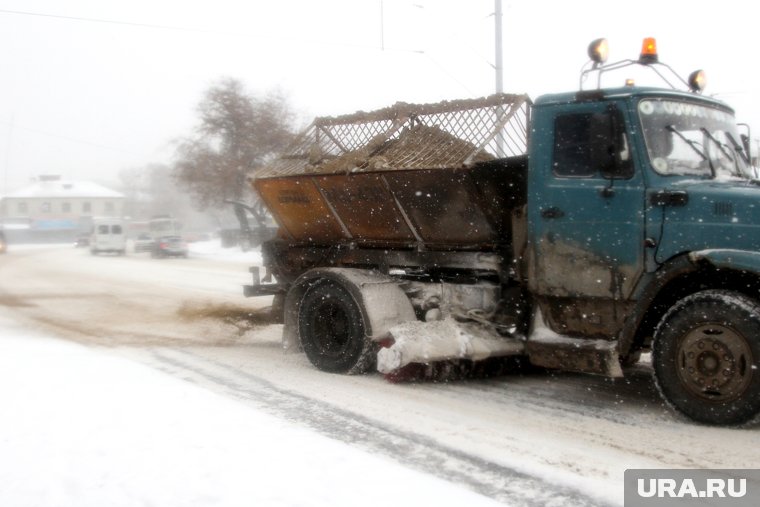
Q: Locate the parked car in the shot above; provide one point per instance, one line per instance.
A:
(108, 236)
(169, 246)
(143, 243)
(82, 240)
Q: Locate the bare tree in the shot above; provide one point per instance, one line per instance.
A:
(237, 133)
(152, 191)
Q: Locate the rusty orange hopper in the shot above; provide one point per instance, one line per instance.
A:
(416, 175)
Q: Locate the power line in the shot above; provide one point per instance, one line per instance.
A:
(205, 31)
(14, 125)
(101, 20)
(449, 74)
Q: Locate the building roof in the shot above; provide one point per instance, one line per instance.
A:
(52, 187)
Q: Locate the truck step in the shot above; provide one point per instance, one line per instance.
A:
(551, 350)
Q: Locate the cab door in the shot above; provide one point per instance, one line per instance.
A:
(588, 202)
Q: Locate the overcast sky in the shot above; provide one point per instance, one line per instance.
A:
(90, 87)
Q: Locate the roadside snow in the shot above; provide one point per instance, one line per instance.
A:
(213, 249)
(84, 428)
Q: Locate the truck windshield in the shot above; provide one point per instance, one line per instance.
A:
(687, 139)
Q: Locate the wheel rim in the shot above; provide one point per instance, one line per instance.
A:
(714, 362)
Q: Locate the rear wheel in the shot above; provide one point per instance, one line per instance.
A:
(706, 354)
(332, 329)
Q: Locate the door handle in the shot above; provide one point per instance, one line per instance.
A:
(553, 212)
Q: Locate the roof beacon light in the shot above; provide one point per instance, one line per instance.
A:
(598, 51)
(649, 51)
(697, 81)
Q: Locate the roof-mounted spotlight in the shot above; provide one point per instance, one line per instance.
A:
(697, 81)
(598, 51)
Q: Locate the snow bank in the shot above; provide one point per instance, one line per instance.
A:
(213, 249)
(82, 428)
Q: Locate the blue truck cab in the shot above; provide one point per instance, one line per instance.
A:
(644, 225)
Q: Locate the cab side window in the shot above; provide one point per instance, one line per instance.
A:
(591, 145)
(572, 151)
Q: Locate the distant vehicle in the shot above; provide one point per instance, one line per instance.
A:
(164, 226)
(82, 241)
(3, 243)
(108, 236)
(143, 243)
(169, 246)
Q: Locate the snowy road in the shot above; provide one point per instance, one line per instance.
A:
(532, 439)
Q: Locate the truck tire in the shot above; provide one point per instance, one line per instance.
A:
(706, 354)
(332, 329)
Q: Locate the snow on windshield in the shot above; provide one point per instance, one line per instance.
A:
(686, 139)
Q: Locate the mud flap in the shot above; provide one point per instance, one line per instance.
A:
(429, 342)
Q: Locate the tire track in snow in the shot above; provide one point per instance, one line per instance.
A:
(490, 479)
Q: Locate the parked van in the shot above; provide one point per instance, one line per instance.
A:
(108, 235)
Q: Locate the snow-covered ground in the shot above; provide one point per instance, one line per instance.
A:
(212, 249)
(82, 428)
(167, 399)
(113, 432)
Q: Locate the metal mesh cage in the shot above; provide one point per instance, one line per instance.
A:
(407, 136)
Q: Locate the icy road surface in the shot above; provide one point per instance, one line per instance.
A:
(532, 439)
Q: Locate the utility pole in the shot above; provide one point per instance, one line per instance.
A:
(8, 145)
(382, 25)
(499, 68)
(499, 65)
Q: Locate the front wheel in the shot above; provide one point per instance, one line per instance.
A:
(332, 329)
(706, 354)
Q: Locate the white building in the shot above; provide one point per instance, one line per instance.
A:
(53, 209)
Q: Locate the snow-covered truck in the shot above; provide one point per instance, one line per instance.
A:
(576, 232)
